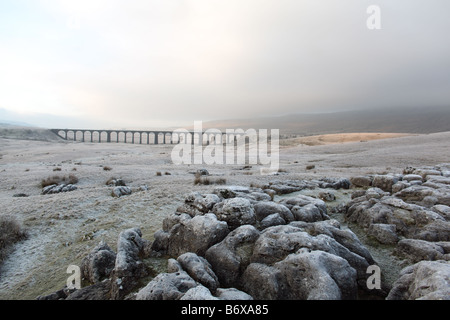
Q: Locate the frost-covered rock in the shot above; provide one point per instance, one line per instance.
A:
(98, 264)
(129, 267)
(425, 280)
(235, 212)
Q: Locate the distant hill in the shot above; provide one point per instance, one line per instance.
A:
(400, 120)
(9, 131)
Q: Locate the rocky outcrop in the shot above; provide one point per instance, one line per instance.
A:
(409, 211)
(190, 277)
(304, 275)
(240, 243)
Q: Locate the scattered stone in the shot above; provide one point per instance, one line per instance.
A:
(116, 182)
(327, 196)
(203, 172)
(118, 192)
(20, 195)
(58, 188)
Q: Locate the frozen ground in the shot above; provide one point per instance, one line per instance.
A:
(64, 227)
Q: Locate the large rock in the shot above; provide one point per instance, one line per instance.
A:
(98, 264)
(230, 257)
(227, 192)
(275, 243)
(196, 203)
(232, 294)
(266, 208)
(304, 275)
(198, 293)
(410, 220)
(129, 268)
(99, 291)
(181, 234)
(235, 212)
(361, 181)
(58, 188)
(271, 220)
(417, 250)
(384, 233)
(308, 213)
(199, 269)
(384, 182)
(306, 208)
(167, 286)
(120, 191)
(425, 280)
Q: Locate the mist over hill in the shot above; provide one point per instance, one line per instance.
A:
(400, 120)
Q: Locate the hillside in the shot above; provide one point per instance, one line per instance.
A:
(401, 120)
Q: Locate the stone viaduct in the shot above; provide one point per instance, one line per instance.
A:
(142, 136)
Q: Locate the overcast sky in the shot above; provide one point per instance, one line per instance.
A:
(151, 63)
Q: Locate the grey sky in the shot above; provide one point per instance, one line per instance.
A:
(155, 63)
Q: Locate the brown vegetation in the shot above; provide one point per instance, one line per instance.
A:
(71, 179)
